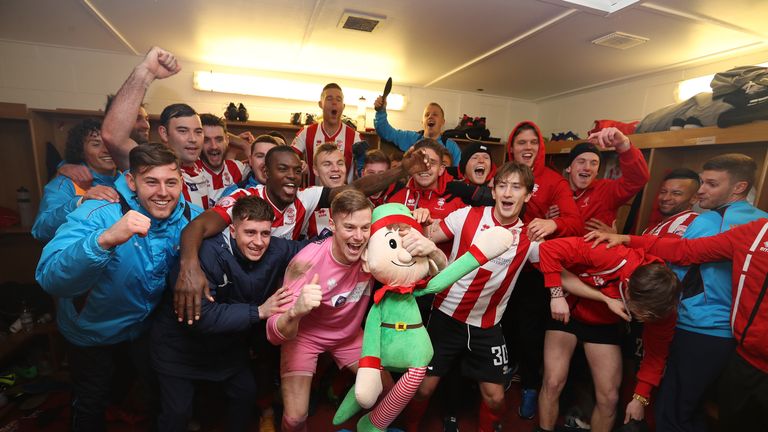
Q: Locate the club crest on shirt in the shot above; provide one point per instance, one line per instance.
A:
(598, 280)
(535, 188)
(290, 216)
(440, 203)
(227, 201)
(764, 248)
(227, 177)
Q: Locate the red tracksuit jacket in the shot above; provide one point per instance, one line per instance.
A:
(747, 246)
(549, 188)
(608, 270)
(603, 197)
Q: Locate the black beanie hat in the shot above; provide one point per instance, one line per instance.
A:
(469, 151)
(584, 147)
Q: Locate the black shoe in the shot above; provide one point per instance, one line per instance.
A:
(450, 424)
(570, 136)
(231, 112)
(242, 113)
(677, 124)
(692, 123)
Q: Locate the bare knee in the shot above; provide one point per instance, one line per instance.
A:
(494, 401)
(607, 400)
(552, 385)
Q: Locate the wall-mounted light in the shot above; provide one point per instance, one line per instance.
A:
(285, 89)
(691, 87)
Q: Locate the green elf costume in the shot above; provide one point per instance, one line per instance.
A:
(395, 338)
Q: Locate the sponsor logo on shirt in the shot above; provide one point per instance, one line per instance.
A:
(290, 216)
(598, 280)
(351, 296)
(765, 247)
(192, 187)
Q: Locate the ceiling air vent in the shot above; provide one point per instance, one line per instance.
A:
(360, 21)
(620, 40)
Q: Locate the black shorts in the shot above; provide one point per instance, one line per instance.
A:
(632, 345)
(482, 351)
(609, 334)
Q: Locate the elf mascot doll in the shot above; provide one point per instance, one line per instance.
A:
(395, 338)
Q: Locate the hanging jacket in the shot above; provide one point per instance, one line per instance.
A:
(549, 188)
(106, 296)
(405, 139)
(60, 197)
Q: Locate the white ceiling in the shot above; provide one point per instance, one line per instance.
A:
(525, 49)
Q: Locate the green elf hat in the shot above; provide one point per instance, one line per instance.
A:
(392, 213)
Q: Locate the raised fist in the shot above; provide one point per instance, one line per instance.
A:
(131, 223)
(160, 63)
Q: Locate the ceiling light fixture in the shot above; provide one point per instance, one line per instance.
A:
(285, 89)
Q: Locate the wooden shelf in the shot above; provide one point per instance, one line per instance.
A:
(756, 132)
(16, 229)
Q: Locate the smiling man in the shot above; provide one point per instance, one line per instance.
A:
(704, 323)
(330, 293)
(677, 195)
(330, 129)
(107, 266)
(598, 200)
(218, 170)
(432, 122)
(476, 166)
(244, 266)
(291, 204)
(62, 195)
(330, 171)
(464, 324)
(180, 127)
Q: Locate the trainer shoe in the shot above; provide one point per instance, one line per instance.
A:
(529, 404)
(450, 424)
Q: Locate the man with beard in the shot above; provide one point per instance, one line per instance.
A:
(330, 129)
(433, 121)
(676, 198)
(219, 171)
(107, 267)
(180, 127)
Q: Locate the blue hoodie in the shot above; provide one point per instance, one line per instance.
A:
(705, 307)
(60, 198)
(106, 296)
(405, 139)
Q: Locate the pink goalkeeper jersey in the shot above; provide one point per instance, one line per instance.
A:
(346, 291)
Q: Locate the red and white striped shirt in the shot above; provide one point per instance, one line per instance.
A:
(197, 187)
(480, 297)
(232, 171)
(291, 222)
(673, 226)
(314, 135)
(318, 221)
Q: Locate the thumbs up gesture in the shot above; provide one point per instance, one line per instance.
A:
(309, 298)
